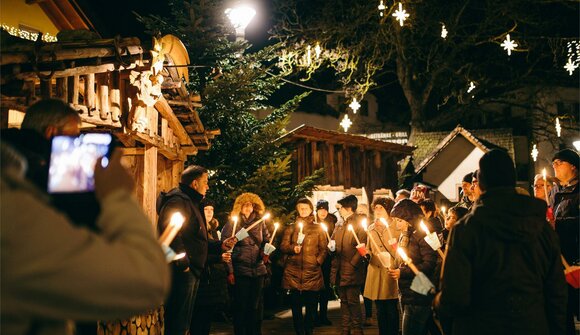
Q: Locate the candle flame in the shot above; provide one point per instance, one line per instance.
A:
(544, 174)
(403, 255)
(364, 224)
(235, 218)
(443, 209)
(384, 222)
(266, 216)
(324, 227)
(276, 225)
(179, 256)
(424, 227)
(349, 227)
(300, 224)
(176, 220)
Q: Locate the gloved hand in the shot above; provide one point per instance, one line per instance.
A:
(266, 259)
(362, 250)
(231, 279)
(332, 245)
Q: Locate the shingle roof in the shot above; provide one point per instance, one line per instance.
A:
(429, 144)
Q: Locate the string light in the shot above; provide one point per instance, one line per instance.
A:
(535, 153)
(558, 127)
(345, 123)
(471, 87)
(382, 8)
(400, 14)
(318, 50)
(27, 35)
(443, 31)
(509, 45)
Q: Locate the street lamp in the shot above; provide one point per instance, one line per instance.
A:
(240, 16)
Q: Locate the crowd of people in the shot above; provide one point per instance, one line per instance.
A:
(494, 263)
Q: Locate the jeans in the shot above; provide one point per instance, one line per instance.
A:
(415, 319)
(303, 324)
(388, 316)
(350, 310)
(179, 304)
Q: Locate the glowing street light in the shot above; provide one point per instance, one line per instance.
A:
(240, 16)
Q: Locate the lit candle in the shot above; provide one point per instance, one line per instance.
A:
(276, 225)
(387, 225)
(301, 226)
(172, 229)
(546, 187)
(353, 233)
(426, 230)
(235, 218)
(265, 217)
(443, 210)
(370, 236)
(407, 260)
(325, 228)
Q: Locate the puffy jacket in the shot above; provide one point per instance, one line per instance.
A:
(566, 204)
(303, 271)
(247, 253)
(503, 273)
(347, 264)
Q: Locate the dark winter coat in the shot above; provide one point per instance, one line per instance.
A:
(303, 271)
(503, 273)
(424, 258)
(192, 237)
(566, 204)
(347, 264)
(330, 222)
(213, 287)
(247, 254)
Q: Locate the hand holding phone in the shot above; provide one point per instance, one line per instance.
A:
(113, 177)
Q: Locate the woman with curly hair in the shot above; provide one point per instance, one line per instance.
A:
(249, 270)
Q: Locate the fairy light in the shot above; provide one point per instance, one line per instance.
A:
(535, 152)
(345, 123)
(558, 127)
(400, 14)
(354, 105)
(27, 35)
(509, 44)
(382, 8)
(444, 31)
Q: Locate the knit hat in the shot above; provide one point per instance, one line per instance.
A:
(496, 169)
(407, 210)
(350, 201)
(387, 203)
(322, 204)
(468, 178)
(567, 155)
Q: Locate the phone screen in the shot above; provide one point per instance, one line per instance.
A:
(72, 162)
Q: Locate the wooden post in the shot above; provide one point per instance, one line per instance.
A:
(90, 93)
(115, 96)
(346, 167)
(152, 121)
(150, 181)
(164, 128)
(30, 88)
(331, 170)
(103, 96)
(73, 89)
(46, 88)
(62, 89)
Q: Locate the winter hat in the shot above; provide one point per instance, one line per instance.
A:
(305, 201)
(407, 210)
(567, 155)
(496, 169)
(207, 203)
(322, 204)
(387, 203)
(468, 178)
(350, 201)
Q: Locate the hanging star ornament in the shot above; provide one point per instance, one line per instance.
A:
(354, 105)
(382, 8)
(535, 153)
(570, 66)
(444, 32)
(509, 45)
(345, 123)
(400, 14)
(471, 87)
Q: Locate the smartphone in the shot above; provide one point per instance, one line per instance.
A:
(72, 161)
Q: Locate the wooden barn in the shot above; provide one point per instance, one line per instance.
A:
(350, 161)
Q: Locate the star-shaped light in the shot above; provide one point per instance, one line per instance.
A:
(354, 105)
(471, 87)
(535, 153)
(509, 45)
(400, 14)
(443, 31)
(570, 66)
(558, 127)
(382, 8)
(345, 123)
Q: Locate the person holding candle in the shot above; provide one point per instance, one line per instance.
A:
(379, 286)
(303, 271)
(192, 239)
(347, 272)
(416, 307)
(212, 296)
(327, 293)
(565, 200)
(503, 273)
(249, 269)
(543, 187)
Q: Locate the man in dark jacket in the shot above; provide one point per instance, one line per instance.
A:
(565, 203)
(502, 273)
(323, 216)
(191, 239)
(347, 272)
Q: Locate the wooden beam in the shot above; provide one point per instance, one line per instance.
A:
(132, 151)
(169, 153)
(76, 71)
(166, 112)
(150, 182)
